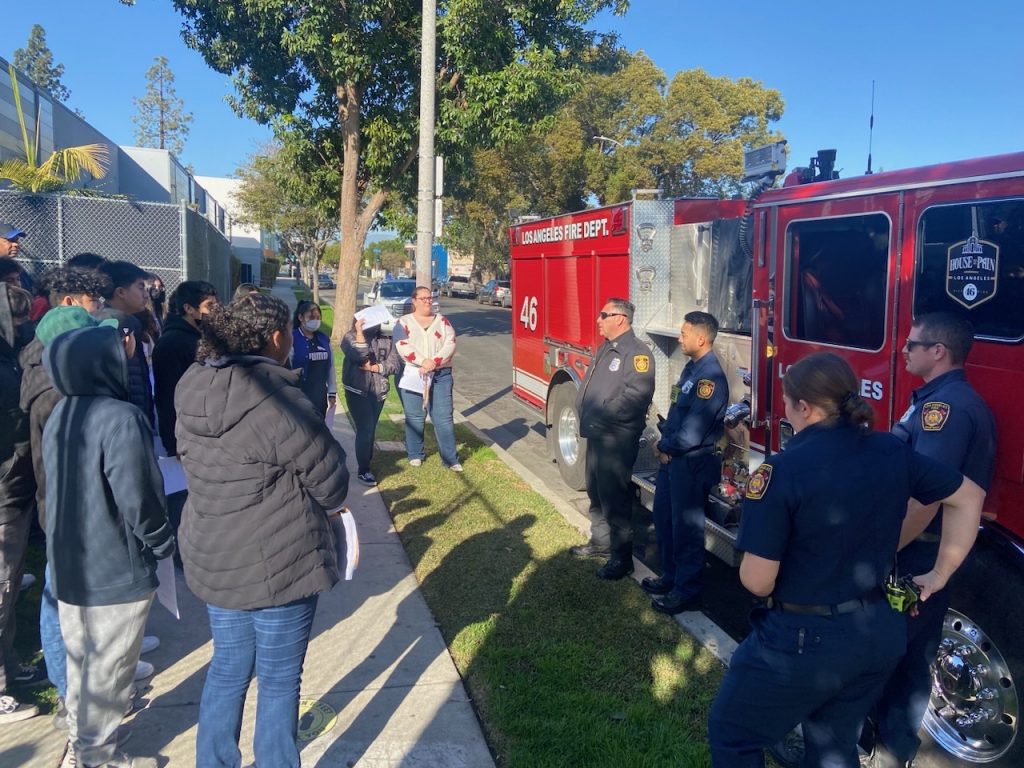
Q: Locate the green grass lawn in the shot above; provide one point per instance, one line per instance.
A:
(26, 638)
(563, 669)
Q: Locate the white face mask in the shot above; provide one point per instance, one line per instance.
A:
(311, 325)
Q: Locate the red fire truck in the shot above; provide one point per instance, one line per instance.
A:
(819, 263)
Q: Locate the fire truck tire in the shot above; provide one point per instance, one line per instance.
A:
(978, 677)
(564, 441)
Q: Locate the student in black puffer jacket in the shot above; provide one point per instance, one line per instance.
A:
(264, 473)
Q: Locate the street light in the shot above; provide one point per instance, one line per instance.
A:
(610, 140)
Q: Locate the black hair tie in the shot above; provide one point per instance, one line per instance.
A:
(847, 399)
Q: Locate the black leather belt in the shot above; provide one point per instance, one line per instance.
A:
(828, 610)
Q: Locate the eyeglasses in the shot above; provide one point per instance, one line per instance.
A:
(606, 315)
(911, 343)
(422, 298)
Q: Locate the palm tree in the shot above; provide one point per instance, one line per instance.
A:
(60, 170)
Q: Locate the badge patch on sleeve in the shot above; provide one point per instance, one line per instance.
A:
(642, 363)
(758, 483)
(705, 388)
(933, 416)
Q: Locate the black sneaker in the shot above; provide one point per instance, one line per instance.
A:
(30, 676)
(367, 478)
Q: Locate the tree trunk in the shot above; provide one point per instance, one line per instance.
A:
(354, 224)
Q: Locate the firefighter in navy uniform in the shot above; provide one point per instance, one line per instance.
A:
(690, 467)
(820, 527)
(949, 422)
(612, 405)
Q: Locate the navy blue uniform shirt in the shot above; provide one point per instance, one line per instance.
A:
(699, 401)
(829, 509)
(949, 422)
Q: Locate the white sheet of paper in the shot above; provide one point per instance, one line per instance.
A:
(329, 418)
(346, 539)
(167, 590)
(173, 473)
(374, 316)
(411, 380)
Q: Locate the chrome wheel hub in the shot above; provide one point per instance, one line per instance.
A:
(974, 709)
(568, 436)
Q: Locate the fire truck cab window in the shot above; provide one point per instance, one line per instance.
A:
(970, 259)
(836, 272)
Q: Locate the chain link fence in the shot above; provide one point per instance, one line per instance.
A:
(172, 242)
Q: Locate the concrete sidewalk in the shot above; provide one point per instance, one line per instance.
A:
(379, 687)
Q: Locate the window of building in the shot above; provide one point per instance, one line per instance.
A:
(970, 260)
(836, 273)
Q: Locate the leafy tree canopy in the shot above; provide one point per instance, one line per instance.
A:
(685, 137)
(352, 70)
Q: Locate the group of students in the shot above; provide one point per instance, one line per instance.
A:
(247, 424)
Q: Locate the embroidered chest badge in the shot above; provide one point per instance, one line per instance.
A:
(641, 363)
(705, 388)
(934, 416)
(615, 364)
(758, 483)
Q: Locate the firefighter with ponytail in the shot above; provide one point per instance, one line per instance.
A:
(819, 531)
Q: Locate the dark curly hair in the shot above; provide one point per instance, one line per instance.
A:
(243, 327)
(69, 281)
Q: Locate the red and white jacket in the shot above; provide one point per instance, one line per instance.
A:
(435, 342)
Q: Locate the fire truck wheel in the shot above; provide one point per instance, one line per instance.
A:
(978, 676)
(564, 441)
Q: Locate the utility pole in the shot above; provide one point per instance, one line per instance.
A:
(425, 207)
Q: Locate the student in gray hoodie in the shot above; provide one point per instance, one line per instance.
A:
(106, 525)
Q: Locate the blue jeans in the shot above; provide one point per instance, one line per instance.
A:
(50, 637)
(270, 643)
(441, 410)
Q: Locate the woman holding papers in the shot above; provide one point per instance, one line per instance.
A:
(265, 475)
(426, 344)
(370, 357)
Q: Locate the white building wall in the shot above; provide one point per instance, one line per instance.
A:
(246, 240)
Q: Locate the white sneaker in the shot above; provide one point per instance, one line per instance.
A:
(415, 462)
(143, 670)
(150, 643)
(13, 711)
(456, 467)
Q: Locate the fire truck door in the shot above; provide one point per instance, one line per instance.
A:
(835, 292)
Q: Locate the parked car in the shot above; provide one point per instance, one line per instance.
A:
(325, 281)
(458, 285)
(496, 292)
(396, 295)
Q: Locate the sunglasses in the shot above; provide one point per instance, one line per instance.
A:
(606, 315)
(911, 343)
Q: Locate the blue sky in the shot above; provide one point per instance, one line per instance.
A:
(947, 73)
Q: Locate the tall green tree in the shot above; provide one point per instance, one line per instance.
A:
(161, 121)
(351, 70)
(36, 61)
(286, 189)
(685, 137)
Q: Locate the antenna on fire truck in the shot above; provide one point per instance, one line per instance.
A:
(871, 127)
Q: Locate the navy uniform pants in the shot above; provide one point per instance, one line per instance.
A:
(823, 671)
(904, 700)
(679, 497)
(610, 460)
